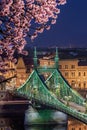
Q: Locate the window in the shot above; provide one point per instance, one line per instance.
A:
(66, 74)
(2, 88)
(73, 74)
(48, 62)
(1, 122)
(79, 74)
(84, 127)
(84, 74)
(66, 66)
(73, 83)
(1, 96)
(1, 128)
(84, 84)
(79, 85)
(72, 66)
(60, 67)
(73, 128)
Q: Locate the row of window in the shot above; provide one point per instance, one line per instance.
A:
(67, 67)
(81, 128)
(84, 84)
(73, 74)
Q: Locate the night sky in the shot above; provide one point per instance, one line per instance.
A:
(70, 29)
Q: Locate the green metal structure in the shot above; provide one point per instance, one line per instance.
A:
(57, 84)
(54, 92)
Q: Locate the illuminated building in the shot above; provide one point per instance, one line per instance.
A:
(11, 71)
(3, 76)
(74, 71)
(21, 72)
(76, 125)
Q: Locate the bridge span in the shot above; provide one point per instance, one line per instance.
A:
(53, 91)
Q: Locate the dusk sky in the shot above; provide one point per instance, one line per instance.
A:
(70, 29)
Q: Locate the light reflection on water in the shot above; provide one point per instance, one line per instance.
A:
(46, 116)
(46, 127)
(47, 119)
(17, 123)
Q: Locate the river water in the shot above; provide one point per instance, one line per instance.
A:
(18, 122)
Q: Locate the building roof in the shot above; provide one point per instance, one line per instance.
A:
(20, 64)
(82, 63)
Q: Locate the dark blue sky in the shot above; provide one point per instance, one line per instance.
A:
(70, 29)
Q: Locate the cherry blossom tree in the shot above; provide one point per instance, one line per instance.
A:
(21, 18)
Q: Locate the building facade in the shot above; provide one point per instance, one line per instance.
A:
(73, 70)
(21, 72)
(76, 125)
(3, 76)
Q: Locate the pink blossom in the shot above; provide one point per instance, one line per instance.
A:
(21, 17)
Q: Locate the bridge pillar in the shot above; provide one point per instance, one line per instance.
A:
(56, 59)
(35, 58)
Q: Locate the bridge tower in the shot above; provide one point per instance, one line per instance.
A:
(35, 58)
(56, 59)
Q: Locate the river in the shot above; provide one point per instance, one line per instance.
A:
(18, 122)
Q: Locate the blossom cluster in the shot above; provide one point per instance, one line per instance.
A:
(21, 18)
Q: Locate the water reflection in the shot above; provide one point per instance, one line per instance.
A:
(46, 127)
(17, 123)
(47, 116)
(11, 123)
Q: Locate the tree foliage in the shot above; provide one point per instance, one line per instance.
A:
(21, 18)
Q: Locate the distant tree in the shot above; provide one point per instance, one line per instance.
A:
(21, 18)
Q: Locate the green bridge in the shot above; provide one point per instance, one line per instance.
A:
(53, 91)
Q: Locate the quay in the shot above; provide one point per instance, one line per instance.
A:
(13, 107)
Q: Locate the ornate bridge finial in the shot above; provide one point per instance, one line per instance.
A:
(35, 52)
(35, 57)
(56, 58)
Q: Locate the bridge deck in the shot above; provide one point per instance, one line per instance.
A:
(75, 106)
